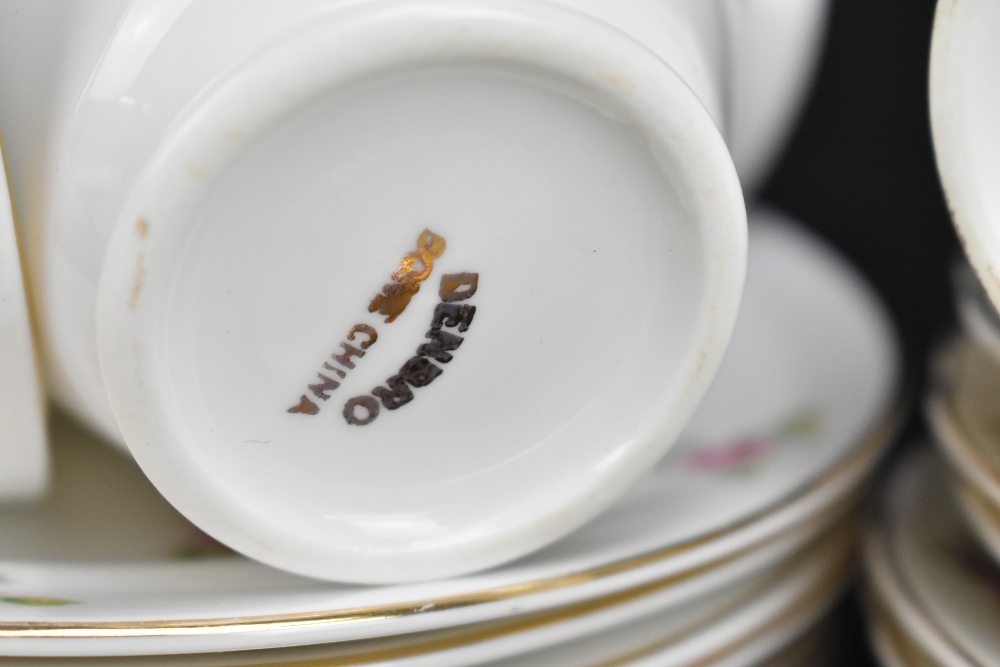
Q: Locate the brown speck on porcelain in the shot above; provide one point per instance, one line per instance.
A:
(138, 278)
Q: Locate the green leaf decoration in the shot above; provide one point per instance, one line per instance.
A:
(38, 602)
(804, 423)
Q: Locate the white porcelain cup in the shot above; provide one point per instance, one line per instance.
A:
(379, 290)
(965, 123)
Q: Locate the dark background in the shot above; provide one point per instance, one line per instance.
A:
(860, 171)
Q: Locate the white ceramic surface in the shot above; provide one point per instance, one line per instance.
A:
(813, 338)
(890, 646)
(982, 517)
(121, 581)
(775, 48)
(698, 626)
(91, 85)
(951, 579)
(890, 596)
(965, 119)
(975, 311)
(752, 631)
(961, 413)
(233, 192)
(24, 459)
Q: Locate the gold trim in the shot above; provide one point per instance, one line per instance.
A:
(492, 630)
(863, 455)
(882, 619)
(964, 442)
(963, 418)
(817, 595)
(981, 503)
(453, 638)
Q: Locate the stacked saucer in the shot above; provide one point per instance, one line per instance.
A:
(962, 411)
(728, 552)
(933, 554)
(934, 592)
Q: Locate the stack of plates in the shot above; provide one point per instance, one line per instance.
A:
(729, 552)
(933, 557)
(963, 413)
(935, 593)
(962, 409)
(933, 554)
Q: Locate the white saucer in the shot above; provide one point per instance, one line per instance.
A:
(932, 573)
(890, 643)
(752, 619)
(981, 516)
(976, 314)
(752, 630)
(801, 410)
(960, 411)
(900, 626)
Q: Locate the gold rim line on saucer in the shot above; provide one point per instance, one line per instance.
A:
(888, 584)
(952, 436)
(950, 422)
(887, 635)
(814, 597)
(977, 509)
(492, 630)
(440, 640)
(811, 648)
(862, 456)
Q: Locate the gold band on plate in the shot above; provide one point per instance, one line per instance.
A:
(958, 448)
(970, 494)
(864, 455)
(817, 595)
(889, 637)
(401, 647)
(491, 630)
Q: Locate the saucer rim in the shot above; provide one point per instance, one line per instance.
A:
(887, 582)
(981, 516)
(863, 456)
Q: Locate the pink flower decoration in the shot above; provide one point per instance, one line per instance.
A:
(731, 456)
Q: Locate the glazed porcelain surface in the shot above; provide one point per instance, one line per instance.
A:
(982, 516)
(892, 598)
(894, 648)
(748, 482)
(965, 119)
(949, 574)
(961, 412)
(775, 47)
(255, 207)
(759, 626)
(24, 473)
(254, 197)
(976, 313)
(94, 85)
(698, 627)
